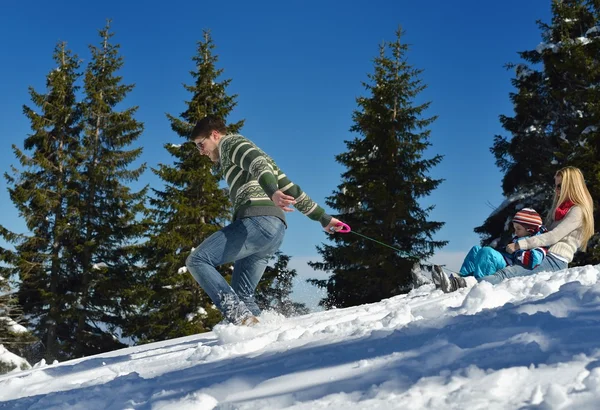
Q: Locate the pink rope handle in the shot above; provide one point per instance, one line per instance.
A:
(345, 227)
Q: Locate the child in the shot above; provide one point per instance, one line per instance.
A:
(484, 261)
(571, 222)
(481, 262)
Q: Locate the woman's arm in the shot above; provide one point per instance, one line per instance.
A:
(571, 222)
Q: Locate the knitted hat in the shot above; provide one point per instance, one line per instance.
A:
(529, 219)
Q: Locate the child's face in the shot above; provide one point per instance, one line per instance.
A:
(520, 230)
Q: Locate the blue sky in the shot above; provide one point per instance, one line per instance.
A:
(297, 67)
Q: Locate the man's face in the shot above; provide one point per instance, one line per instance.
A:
(208, 146)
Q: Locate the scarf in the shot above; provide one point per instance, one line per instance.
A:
(562, 209)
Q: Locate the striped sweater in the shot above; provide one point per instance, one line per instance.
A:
(253, 177)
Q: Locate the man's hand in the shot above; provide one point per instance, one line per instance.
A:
(511, 247)
(283, 201)
(333, 226)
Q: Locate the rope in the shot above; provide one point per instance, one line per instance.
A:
(397, 250)
(381, 243)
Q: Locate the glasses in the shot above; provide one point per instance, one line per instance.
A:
(557, 187)
(199, 144)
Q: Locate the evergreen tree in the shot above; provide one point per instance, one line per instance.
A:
(107, 210)
(189, 208)
(42, 192)
(557, 109)
(13, 336)
(275, 288)
(78, 268)
(386, 175)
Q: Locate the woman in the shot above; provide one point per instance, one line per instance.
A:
(570, 223)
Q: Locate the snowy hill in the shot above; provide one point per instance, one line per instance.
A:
(527, 343)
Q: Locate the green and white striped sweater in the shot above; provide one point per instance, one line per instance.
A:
(253, 177)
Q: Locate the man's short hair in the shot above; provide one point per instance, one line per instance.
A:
(206, 125)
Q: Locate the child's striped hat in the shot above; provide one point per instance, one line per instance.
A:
(529, 218)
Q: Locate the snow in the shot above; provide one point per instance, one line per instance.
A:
(563, 136)
(594, 29)
(556, 47)
(544, 46)
(8, 357)
(531, 128)
(522, 71)
(13, 326)
(529, 342)
(201, 312)
(589, 129)
(510, 200)
(583, 40)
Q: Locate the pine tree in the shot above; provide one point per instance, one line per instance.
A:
(386, 175)
(78, 268)
(42, 192)
(189, 208)
(107, 210)
(275, 288)
(557, 109)
(13, 336)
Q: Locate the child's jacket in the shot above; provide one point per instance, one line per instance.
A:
(529, 258)
(484, 261)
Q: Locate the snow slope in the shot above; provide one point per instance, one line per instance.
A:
(529, 343)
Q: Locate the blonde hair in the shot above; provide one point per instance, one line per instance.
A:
(573, 188)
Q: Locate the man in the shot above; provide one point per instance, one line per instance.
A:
(261, 195)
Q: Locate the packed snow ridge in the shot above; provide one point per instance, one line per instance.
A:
(530, 342)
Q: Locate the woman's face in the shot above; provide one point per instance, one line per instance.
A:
(557, 184)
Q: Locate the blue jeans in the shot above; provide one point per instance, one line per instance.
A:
(549, 264)
(249, 242)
